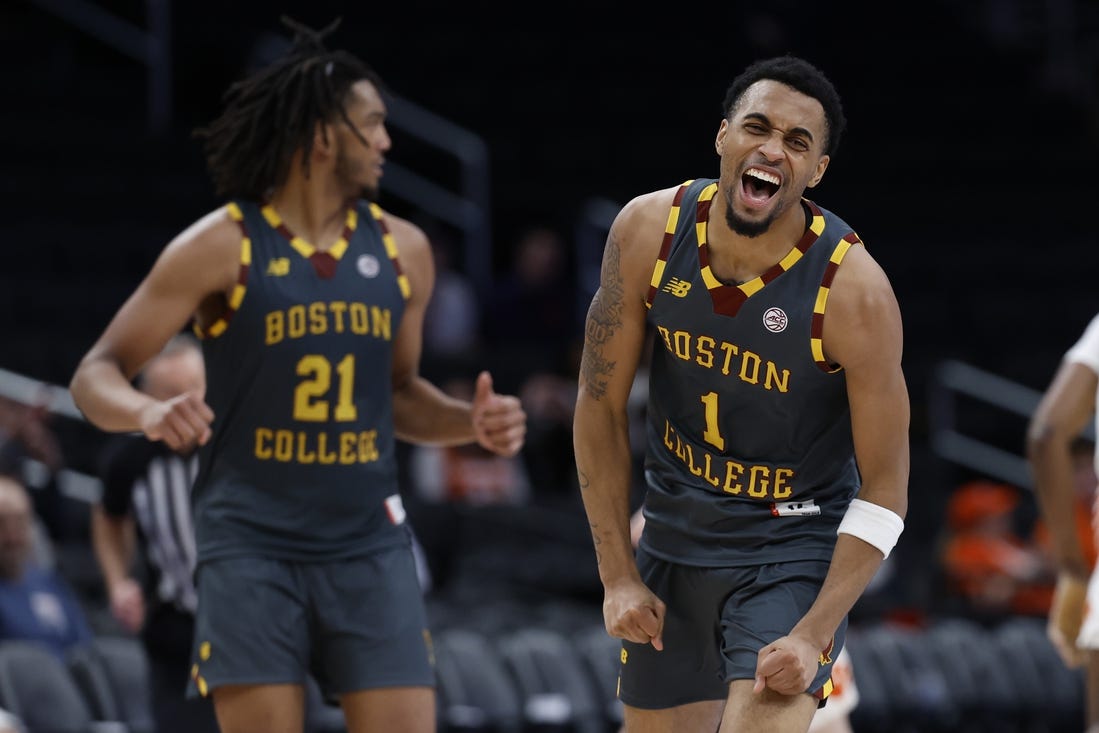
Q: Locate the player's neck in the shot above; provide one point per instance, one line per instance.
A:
(736, 258)
(312, 210)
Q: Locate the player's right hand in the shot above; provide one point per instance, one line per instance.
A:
(181, 422)
(632, 612)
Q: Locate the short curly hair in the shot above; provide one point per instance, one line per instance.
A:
(800, 75)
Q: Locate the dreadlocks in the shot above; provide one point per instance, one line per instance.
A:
(274, 112)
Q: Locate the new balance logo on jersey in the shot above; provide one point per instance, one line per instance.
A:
(279, 266)
(678, 288)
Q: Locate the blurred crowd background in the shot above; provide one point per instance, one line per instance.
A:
(968, 168)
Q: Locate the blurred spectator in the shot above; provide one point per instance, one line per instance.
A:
(529, 324)
(146, 505)
(452, 322)
(467, 474)
(549, 400)
(30, 450)
(25, 436)
(445, 481)
(990, 567)
(36, 604)
(533, 341)
(10, 724)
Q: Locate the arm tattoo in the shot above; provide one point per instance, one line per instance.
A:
(585, 482)
(604, 318)
(596, 541)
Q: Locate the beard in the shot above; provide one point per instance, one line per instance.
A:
(742, 226)
(346, 170)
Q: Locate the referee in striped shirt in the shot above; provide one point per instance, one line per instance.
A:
(142, 528)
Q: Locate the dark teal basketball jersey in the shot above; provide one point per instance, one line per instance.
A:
(750, 457)
(301, 465)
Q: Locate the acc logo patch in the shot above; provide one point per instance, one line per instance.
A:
(775, 320)
(368, 266)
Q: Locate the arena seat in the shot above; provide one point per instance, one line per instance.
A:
(37, 687)
(601, 654)
(919, 697)
(553, 684)
(476, 694)
(1053, 694)
(112, 673)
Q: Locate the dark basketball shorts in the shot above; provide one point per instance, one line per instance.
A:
(354, 624)
(716, 622)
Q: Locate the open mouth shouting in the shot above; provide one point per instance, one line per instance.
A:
(758, 187)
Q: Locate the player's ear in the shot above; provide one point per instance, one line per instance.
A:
(323, 138)
(722, 130)
(822, 165)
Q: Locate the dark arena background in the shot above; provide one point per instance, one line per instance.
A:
(968, 169)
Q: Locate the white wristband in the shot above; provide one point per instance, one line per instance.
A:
(872, 523)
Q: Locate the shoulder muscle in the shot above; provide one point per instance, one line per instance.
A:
(862, 320)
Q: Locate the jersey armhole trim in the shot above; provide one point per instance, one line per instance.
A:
(666, 245)
(816, 340)
(236, 296)
(391, 250)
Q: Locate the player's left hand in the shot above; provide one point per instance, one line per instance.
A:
(787, 665)
(499, 421)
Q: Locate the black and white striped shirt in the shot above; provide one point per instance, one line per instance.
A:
(146, 480)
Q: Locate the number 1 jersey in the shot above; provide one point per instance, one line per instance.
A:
(750, 454)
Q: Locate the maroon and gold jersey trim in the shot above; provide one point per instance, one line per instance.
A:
(324, 261)
(817, 329)
(236, 297)
(727, 299)
(666, 245)
(391, 250)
